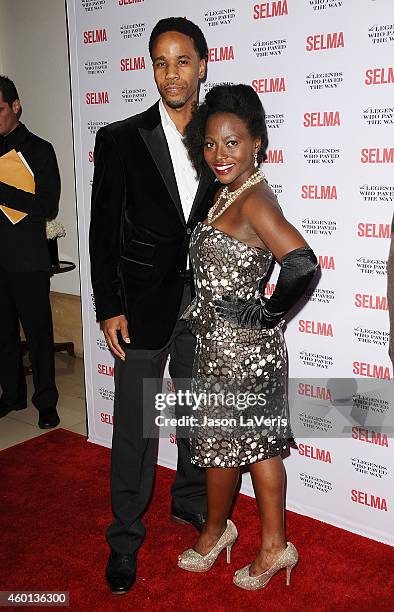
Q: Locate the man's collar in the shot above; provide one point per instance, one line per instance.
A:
(16, 136)
(165, 117)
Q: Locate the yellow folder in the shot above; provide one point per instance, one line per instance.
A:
(15, 171)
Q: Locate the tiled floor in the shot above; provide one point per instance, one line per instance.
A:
(19, 426)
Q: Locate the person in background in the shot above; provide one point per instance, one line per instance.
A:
(146, 201)
(241, 351)
(25, 268)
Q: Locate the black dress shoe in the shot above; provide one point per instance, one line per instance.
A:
(48, 419)
(120, 573)
(4, 409)
(187, 518)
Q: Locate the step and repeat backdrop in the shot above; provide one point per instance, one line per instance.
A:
(324, 71)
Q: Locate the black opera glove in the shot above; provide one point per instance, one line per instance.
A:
(245, 313)
(297, 269)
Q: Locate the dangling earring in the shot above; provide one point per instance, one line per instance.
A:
(256, 163)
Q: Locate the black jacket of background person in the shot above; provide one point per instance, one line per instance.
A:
(23, 246)
(139, 238)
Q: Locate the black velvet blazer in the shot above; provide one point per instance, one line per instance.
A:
(139, 236)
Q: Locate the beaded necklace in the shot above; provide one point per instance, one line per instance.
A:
(230, 197)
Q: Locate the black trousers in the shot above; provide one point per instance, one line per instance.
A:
(24, 296)
(134, 455)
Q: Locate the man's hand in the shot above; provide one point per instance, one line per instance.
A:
(110, 328)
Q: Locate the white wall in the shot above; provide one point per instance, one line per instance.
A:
(33, 53)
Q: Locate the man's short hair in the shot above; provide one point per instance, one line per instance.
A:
(8, 90)
(183, 26)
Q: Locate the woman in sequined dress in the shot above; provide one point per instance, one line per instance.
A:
(241, 351)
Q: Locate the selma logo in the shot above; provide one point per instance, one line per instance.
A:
(314, 391)
(314, 453)
(274, 156)
(107, 418)
(370, 436)
(371, 370)
(270, 9)
(221, 54)
(326, 262)
(371, 302)
(319, 192)
(95, 36)
(374, 230)
(322, 119)
(269, 289)
(97, 97)
(318, 328)
(132, 63)
(105, 370)
(269, 85)
(377, 156)
(367, 499)
(379, 76)
(322, 42)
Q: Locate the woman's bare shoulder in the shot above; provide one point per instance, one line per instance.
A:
(261, 200)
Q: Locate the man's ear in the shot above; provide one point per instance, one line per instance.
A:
(16, 107)
(202, 69)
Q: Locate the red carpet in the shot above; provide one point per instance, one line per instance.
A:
(55, 507)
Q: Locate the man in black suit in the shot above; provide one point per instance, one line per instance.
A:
(25, 267)
(146, 201)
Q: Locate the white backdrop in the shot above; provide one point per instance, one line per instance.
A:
(324, 70)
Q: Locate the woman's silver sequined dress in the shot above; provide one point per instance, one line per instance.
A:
(232, 365)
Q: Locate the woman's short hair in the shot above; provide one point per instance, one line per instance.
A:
(240, 100)
(183, 26)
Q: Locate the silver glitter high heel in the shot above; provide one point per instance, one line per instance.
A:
(192, 561)
(287, 559)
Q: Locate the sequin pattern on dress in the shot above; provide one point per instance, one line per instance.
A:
(233, 362)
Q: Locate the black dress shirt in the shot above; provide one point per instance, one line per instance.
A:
(23, 245)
